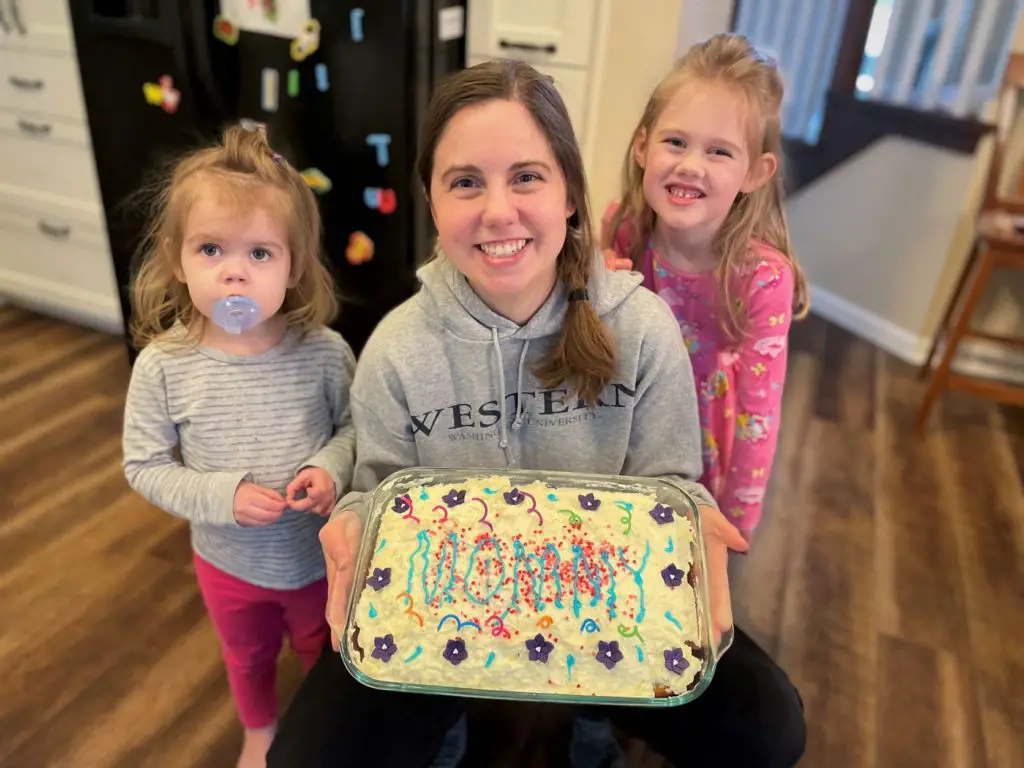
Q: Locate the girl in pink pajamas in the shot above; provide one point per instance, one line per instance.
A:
(701, 217)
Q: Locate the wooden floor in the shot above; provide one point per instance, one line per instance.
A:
(886, 579)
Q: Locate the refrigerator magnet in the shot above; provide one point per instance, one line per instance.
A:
(355, 23)
(380, 141)
(322, 84)
(317, 181)
(162, 94)
(307, 41)
(378, 199)
(360, 249)
(224, 30)
(269, 90)
(293, 82)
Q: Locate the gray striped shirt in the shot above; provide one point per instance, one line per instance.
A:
(233, 418)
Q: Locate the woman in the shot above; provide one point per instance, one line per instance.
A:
(517, 316)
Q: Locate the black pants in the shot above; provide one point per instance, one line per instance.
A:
(750, 716)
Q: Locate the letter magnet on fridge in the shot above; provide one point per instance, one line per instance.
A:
(307, 41)
(383, 200)
(355, 22)
(380, 141)
(269, 94)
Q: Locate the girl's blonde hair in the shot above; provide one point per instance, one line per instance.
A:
(244, 172)
(585, 354)
(729, 60)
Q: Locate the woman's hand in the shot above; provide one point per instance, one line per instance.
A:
(719, 537)
(340, 540)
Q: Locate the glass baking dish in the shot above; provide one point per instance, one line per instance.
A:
(533, 586)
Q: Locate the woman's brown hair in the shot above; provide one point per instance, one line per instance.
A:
(728, 60)
(242, 171)
(585, 354)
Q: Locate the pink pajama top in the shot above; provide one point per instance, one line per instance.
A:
(739, 385)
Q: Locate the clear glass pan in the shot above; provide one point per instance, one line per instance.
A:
(435, 675)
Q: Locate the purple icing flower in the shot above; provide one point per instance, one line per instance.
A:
(589, 503)
(609, 653)
(401, 505)
(662, 514)
(384, 648)
(672, 575)
(453, 498)
(675, 661)
(515, 496)
(455, 651)
(381, 578)
(539, 648)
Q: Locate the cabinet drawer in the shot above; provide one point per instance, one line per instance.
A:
(57, 256)
(556, 32)
(48, 156)
(572, 85)
(42, 83)
(36, 25)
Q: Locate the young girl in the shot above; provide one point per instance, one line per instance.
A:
(237, 415)
(701, 217)
(516, 320)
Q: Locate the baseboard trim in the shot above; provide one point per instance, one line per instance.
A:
(976, 358)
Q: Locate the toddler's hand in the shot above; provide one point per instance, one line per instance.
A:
(613, 261)
(340, 540)
(312, 490)
(256, 506)
(719, 537)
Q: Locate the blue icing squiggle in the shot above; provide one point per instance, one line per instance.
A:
(671, 546)
(424, 495)
(373, 611)
(593, 576)
(674, 620)
(611, 585)
(569, 661)
(417, 652)
(640, 654)
(383, 543)
(552, 497)
(451, 542)
(422, 540)
(490, 660)
(638, 577)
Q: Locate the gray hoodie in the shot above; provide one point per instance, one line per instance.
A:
(445, 382)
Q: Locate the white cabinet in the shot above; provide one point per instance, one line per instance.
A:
(54, 251)
(36, 25)
(558, 32)
(560, 38)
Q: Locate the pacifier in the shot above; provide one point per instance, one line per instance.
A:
(236, 314)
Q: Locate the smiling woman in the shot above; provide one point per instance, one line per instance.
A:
(520, 351)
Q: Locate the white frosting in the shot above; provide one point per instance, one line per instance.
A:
(493, 617)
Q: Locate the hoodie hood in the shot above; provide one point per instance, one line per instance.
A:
(448, 298)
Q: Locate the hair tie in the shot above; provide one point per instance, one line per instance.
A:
(578, 294)
(276, 157)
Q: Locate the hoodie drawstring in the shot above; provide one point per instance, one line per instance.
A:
(518, 421)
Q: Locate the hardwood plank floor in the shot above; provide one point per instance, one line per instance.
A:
(887, 576)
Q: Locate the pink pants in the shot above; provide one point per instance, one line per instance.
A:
(250, 622)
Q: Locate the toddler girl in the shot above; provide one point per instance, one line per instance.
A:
(701, 217)
(237, 416)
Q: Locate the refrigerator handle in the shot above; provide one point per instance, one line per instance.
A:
(197, 32)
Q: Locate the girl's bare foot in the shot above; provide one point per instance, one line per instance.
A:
(254, 747)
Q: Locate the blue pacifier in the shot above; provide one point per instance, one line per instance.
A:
(236, 314)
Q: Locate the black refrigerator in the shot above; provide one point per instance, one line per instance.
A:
(339, 87)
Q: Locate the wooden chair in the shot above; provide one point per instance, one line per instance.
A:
(998, 243)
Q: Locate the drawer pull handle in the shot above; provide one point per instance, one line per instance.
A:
(25, 85)
(549, 48)
(36, 129)
(60, 233)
